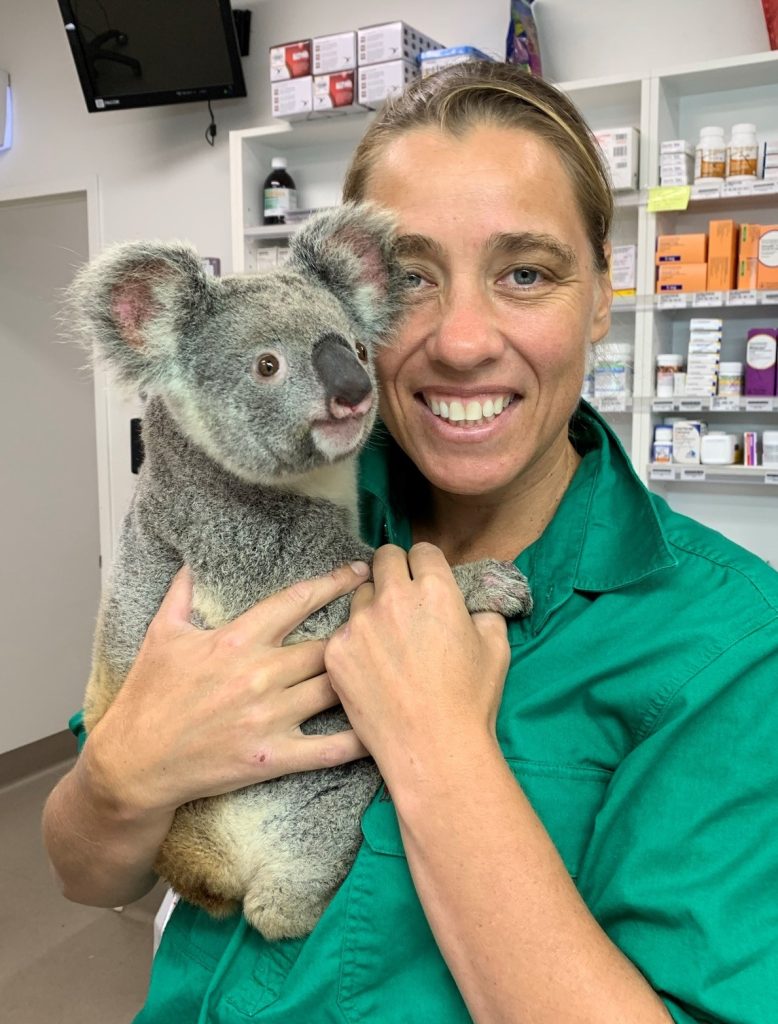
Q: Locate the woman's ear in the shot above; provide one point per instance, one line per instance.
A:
(603, 299)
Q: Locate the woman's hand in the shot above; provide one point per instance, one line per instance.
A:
(204, 712)
(417, 675)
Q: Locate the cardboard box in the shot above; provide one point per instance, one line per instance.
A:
(722, 255)
(394, 40)
(431, 61)
(682, 277)
(378, 82)
(335, 93)
(623, 268)
(748, 250)
(292, 100)
(675, 146)
(334, 53)
(687, 439)
(767, 259)
(290, 60)
(620, 148)
(681, 249)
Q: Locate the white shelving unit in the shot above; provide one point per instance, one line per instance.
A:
(672, 104)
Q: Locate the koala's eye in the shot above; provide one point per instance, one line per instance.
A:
(361, 352)
(266, 365)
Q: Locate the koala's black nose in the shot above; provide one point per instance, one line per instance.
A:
(337, 367)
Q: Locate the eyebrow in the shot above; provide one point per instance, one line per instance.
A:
(507, 243)
(526, 242)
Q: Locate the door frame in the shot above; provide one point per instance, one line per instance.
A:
(89, 186)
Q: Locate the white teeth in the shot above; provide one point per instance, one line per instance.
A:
(470, 412)
(456, 412)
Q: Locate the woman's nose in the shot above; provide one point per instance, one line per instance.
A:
(465, 335)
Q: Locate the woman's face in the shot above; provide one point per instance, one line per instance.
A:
(503, 303)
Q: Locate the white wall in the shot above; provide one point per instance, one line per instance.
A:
(159, 178)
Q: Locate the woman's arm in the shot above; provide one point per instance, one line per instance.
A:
(202, 712)
(519, 941)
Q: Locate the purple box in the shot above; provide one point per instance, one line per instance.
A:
(760, 361)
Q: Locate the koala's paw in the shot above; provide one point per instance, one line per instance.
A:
(492, 586)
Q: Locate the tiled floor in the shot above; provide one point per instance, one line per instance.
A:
(61, 963)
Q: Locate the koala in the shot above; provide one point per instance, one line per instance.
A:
(260, 392)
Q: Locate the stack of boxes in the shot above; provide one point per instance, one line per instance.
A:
(676, 163)
(769, 159)
(730, 256)
(704, 356)
(344, 72)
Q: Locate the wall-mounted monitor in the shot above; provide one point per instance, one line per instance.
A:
(142, 53)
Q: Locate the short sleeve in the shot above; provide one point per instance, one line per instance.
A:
(77, 727)
(682, 868)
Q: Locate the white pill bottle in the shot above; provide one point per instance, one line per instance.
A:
(742, 153)
(710, 155)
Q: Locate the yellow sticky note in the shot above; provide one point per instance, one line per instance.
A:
(669, 197)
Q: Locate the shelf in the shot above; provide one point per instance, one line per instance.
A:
(287, 135)
(663, 472)
(716, 403)
(728, 301)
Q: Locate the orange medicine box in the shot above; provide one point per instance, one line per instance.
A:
(682, 277)
(722, 255)
(748, 250)
(681, 249)
(767, 265)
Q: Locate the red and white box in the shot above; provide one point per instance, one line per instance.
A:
(377, 82)
(335, 93)
(290, 60)
(292, 100)
(334, 53)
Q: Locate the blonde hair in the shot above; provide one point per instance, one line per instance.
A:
(485, 92)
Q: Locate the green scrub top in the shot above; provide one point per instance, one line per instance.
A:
(639, 716)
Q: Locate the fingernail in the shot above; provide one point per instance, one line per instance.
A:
(360, 568)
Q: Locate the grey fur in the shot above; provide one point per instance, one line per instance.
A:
(228, 454)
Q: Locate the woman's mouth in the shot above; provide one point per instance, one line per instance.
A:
(467, 412)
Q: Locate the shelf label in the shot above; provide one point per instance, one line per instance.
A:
(741, 188)
(759, 404)
(696, 475)
(724, 403)
(768, 298)
(771, 478)
(764, 188)
(741, 298)
(707, 299)
(662, 473)
(668, 197)
(677, 301)
(662, 405)
(611, 403)
(690, 405)
(707, 190)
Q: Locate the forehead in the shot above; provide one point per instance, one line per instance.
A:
(489, 180)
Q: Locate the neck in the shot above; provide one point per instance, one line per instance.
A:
(500, 524)
(336, 483)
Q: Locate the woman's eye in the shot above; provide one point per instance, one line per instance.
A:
(525, 276)
(413, 280)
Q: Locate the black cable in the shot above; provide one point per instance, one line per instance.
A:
(210, 131)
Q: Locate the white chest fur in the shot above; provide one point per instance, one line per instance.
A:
(336, 483)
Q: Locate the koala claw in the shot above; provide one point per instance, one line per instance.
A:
(492, 586)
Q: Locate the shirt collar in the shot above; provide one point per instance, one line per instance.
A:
(605, 534)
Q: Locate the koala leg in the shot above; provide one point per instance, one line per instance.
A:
(492, 586)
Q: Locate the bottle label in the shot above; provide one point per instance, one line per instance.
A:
(742, 161)
(712, 163)
(280, 200)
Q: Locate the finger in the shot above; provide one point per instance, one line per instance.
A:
(277, 616)
(175, 611)
(491, 626)
(311, 697)
(363, 596)
(390, 565)
(427, 560)
(312, 752)
(295, 663)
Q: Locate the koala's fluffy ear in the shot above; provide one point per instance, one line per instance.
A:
(350, 250)
(133, 304)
